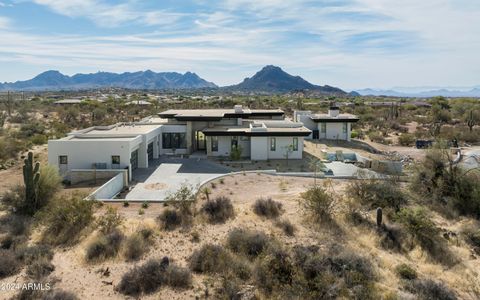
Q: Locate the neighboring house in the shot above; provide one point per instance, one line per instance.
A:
(68, 102)
(259, 134)
(331, 126)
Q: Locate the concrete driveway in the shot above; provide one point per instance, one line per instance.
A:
(166, 175)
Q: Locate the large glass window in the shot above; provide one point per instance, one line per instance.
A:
(214, 140)
(323, 127)
(345, 126)
(273, 144)
(295, 144)
(174, 140)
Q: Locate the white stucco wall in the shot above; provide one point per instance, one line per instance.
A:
(334, 131)
(281, 148)
(259, 148)
(83, 153)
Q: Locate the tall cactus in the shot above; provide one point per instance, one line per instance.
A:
(379, 216)
(471, 122)
(31, 176)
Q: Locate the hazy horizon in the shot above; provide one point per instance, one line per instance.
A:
(351, 44)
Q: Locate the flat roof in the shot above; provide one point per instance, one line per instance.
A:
(323, 118)
(124, 129)
(279, 128)
(216, 114)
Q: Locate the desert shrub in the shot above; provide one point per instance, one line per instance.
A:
(406, 139)
(170, 219)
(49, 184)
(65, 218)
(354, 134)
(429, 289)
(150, 277)
(195, 237)
(40, 268)
(230, 288)
(9, 265)
(247, 242)
(308, 274)
(52, 294)
(317, 203)
(145, 205)
(16, 225)
(443, 182)
(418, 224)
(214, 259)
(146, 278)
(472, 235)
(404, 271)
(178, 277)
(110, 220)
(377, 193)
(287, 227)
(218, 210)
(275, 269)
(104, 246)
(391, 237)
(267, 208)
(39, 139)
(210, 259)
(30, 254)
(138, 244)
(60, 295)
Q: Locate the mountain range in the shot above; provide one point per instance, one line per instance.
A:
(270, 79)
(422, 93)
(54, 80)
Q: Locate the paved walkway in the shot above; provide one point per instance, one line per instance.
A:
(166, 175)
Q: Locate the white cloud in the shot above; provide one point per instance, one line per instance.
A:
(361, 43)
(4, 22)
(108, 15)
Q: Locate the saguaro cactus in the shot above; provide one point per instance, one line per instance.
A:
(31, 176)
(379, 216)
(471, 121)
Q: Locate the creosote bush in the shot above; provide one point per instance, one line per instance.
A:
(247, 242)
(377, 193)
(287, 227)
(151, 276)
(214, 259)
(9, 265)
(110, 220)
(138, 244)
(267, 208)
(405, 271)
(421, 228)
(430, 289)
(66, 218)
(104, 246)
(218, 210)
(318, 203)
(170, 219)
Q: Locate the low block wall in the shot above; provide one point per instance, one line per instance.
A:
(110, 188)
(89, 175)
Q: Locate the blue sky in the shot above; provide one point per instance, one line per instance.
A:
(347, 43)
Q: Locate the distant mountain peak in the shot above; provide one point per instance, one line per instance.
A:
(272, 79)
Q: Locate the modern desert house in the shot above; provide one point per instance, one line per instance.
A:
(252, 134)
(330, 126)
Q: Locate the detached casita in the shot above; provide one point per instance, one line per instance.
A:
(331, 126)
(251, 134)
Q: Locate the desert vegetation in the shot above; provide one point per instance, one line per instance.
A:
(414, 236)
